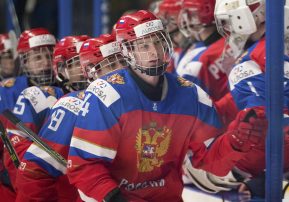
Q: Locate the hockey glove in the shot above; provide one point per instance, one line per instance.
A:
(248, 130)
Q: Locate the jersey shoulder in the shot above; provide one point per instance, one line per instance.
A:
(71, 102)
(110, 88)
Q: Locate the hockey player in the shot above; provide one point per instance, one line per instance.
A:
(11, 86)
(168, 12)
(40, 172)
(11, 83)
(141, 121)
(35, 50)
(66, 63)
(204, 64)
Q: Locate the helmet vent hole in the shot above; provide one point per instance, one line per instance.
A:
(240, 27)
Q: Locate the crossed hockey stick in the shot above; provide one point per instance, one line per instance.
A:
(33, 136)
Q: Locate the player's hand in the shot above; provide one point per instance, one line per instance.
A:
(248, 130)
(115, 196)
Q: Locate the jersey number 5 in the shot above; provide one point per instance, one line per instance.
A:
(19, 106)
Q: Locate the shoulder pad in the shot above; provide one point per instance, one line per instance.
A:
(72, 104)
(104, 91)
(242, 71)
(38, 99)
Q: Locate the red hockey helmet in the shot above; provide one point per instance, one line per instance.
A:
(168, 12)
(65, 49)
(35, 38)
(35, 49)
(195, 13)
(127, 26)
(66, 63)
(99, 56)
(139, 29)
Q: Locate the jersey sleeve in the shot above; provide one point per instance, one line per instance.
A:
(219, 157)
(226, 108)
(94, 143)
(207, 124)
(247, 85)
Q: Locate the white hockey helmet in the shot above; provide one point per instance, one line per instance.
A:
(237, 20)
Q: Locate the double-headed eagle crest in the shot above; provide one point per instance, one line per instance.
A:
(151, 146)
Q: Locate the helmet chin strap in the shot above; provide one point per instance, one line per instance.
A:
(152, 71)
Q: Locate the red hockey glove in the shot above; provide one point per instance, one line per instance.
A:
(248, 130)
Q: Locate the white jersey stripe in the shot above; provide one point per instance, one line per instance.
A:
(36, 151)
(92, 148)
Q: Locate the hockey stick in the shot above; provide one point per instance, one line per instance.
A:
(13, 155)
(34, 137)
(14, 17)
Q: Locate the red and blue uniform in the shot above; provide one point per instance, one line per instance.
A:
(43, 173)
(32, 108)
(128, 141)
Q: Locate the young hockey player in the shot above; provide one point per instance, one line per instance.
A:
(35, 50)
(141, 122)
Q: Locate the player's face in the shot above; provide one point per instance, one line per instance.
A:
(7, 64)
(150, 51)
(74, 71)
(39, 60)
(110, 64)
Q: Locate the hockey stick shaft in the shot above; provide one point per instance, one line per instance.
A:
(34, 137)
(13, 155)
(14, 17)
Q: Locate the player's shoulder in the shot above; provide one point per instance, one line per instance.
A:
(110, 88)
(71, 102)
